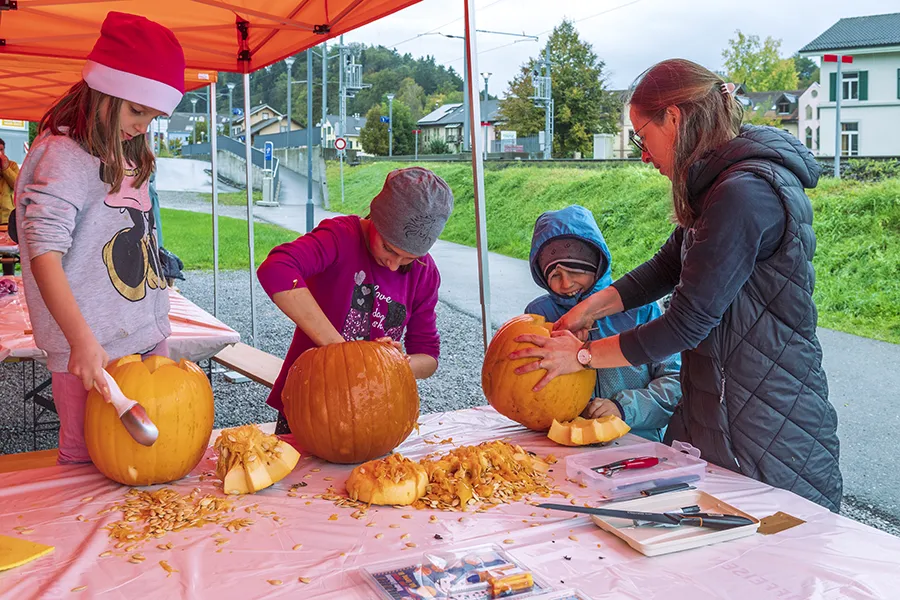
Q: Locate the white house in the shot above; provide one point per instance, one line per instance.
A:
(808, 117)
(869, 86)
(446, 123)
(330, 128)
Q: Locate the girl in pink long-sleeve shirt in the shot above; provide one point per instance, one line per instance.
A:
(365, 279)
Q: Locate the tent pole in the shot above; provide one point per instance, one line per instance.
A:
(477, 146)
(213, 151)
(249, 161)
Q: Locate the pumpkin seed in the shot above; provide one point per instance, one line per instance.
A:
(105, 554)
(26, 531)
(304, 579)
(509, 541)
(274, 581)
(411, 544)
(378, 536)
(87, 498)
(297, 546)
(404, 536)
(80, 588)
(573, 538)
(333, 517)
(406, 517)
(168, 569)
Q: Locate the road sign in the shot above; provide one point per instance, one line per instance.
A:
(340, 143)
(834, 58)
(485, 123)
(237, 111)
(269, 148)
(385, 120)
(417, 131)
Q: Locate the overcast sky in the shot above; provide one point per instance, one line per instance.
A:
(629, 35)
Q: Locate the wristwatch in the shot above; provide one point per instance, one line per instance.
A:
(584, 355)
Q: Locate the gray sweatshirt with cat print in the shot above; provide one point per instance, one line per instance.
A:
(108, 246)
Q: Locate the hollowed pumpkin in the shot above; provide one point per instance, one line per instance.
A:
(582, 432)
(391, 481)
(250, 460)
(178, 399)
(351, 402)
(512, 396)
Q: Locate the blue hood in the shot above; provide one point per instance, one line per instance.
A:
(574, 222)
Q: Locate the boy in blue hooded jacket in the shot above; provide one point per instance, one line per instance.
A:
(570, 259)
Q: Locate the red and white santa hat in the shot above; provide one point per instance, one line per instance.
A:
(137, 60)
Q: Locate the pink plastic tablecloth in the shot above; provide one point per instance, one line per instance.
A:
(196, 334)
(828, 557)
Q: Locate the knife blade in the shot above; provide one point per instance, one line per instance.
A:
(709, 520)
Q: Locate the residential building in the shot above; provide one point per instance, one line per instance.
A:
(622, 146)
(354, 125)
(264, 120)
(446, 123)
(180, 126)
(781, 108)
(869, 86)
(808, 117)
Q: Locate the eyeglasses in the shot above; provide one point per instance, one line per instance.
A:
(635, 138)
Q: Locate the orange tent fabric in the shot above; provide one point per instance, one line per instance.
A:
(29, 85)
(224, 35)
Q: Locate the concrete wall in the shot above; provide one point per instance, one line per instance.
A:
(232, 168)
(295, 160)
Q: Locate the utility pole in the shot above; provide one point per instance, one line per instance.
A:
(289, 61)
(487, 148)
(543, 97)
(193, 122)
(230, 110)
(324, 91)
(390, 98)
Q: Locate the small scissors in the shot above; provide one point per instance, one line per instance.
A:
(643, 462)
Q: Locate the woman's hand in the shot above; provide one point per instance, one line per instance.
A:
(601, 407)
(558, 355)
(578, 321)
(87, 361)
(391, 341)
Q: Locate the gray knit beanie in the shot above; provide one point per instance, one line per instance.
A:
(411, 210)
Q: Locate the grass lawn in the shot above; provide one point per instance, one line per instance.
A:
(233, 198)
(857, 225)
(189, 235)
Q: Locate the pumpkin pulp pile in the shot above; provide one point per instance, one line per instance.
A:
(250, 460)
(489, 473)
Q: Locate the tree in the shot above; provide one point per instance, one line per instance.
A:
(582, 104)
(413, 96)
(374, 136)
(807, 70)
(758, 65)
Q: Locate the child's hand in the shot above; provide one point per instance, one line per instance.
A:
(87, 361)
(391, 341)
(601, 407)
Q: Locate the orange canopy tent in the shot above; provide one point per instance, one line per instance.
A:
(222, 35)
(29, 85)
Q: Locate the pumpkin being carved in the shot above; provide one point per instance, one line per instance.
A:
(351, 402)
(512, 396)
(178, 399)
(583, 432)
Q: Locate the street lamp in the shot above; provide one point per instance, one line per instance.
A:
(230, 110)
(486, 147)
(289, 61)
(194, 120)
(390, 98)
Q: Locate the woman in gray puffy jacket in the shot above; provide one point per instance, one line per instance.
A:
(755, 397)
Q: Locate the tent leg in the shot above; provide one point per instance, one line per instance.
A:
(249, 159)
(213, 151)
(477, 145)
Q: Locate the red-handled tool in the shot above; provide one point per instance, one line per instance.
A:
(642, 462)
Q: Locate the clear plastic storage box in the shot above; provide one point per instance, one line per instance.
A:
(679, 463)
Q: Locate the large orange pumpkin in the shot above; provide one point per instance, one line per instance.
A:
(351, 402)
(512, 396)
(177, 398)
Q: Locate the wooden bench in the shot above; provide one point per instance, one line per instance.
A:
(251, 362)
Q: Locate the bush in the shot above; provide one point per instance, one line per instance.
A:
(437, 146)
(862, 169)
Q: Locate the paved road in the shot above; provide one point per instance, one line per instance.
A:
(864, 385)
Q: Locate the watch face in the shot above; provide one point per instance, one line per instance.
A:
(584, 357)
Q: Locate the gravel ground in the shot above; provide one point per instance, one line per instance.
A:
(456, 384)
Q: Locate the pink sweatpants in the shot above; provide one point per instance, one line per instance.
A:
(70, 398)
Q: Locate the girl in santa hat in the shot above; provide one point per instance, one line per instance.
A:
(87, 235)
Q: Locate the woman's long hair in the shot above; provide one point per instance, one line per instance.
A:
(709, 118)
(83, 115)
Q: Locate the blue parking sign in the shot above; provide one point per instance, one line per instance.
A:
(269, 147)
(385, 120)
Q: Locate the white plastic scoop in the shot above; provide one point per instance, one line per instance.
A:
(132, 414)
